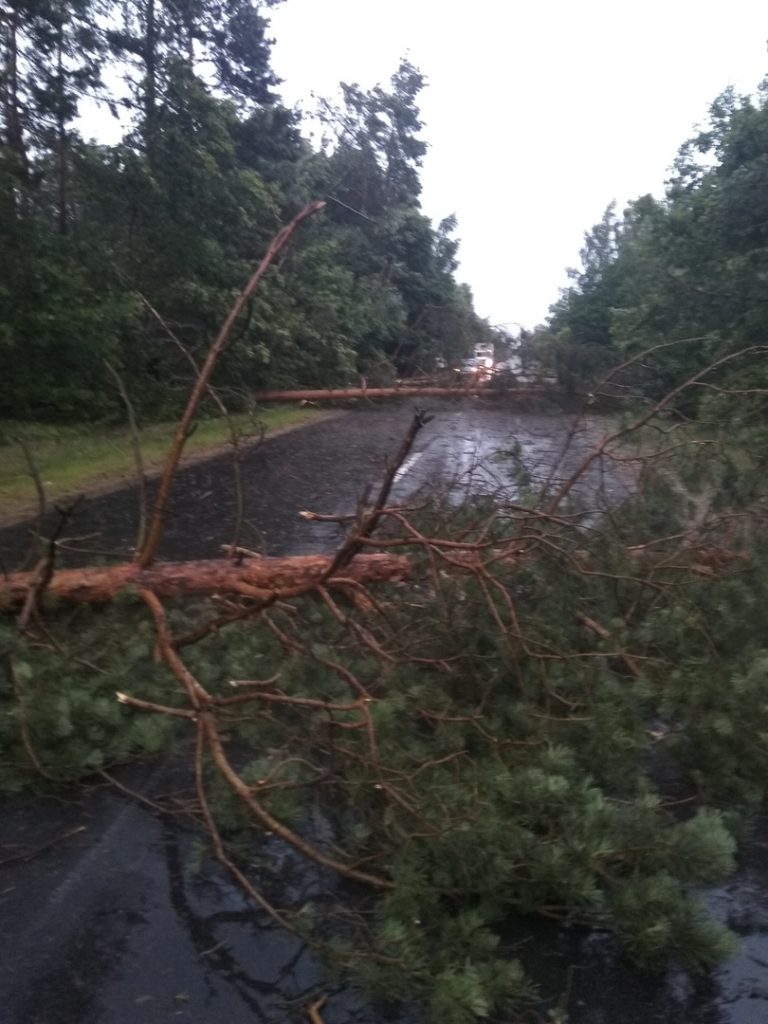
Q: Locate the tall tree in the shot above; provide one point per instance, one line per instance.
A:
(373, 179)
(222, 42)
(52, 55)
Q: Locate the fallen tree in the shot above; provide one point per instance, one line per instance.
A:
(249, 577)
(482, 742)
(404, 391)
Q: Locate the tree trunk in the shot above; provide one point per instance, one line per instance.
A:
(150, 57)
(433, 391)
(13, 115)
(259, 578)
(62, 142)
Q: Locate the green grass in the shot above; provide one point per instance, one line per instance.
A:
(86, 457)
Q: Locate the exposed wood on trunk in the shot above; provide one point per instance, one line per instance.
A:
(265, 578)
(457, 391)
(259, 578)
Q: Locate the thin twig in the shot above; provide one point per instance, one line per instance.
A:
(41, 502)
(369, 520)
(148, 705)
(26, 736)
(147, 554)
(658, 407)
(217, 400)
(44, 571)
(138, 460)
(313, 1011)
(218, 845)
(41, 849)
(139, 797)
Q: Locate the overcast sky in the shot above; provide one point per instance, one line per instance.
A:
(537, 115)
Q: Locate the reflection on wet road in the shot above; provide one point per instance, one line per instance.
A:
(326, 468)
(125, 923)
(476, 450)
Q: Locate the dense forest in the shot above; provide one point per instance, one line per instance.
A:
(559, 712)
(110, 251)
(689, 267)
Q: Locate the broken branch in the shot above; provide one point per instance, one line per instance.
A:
(258, 578)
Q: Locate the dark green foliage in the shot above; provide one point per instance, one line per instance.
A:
(56, 328)
(64, 688)
(67, 704)
(691, 266)
(177, 215)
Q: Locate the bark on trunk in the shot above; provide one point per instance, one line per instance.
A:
(253, 577)
(150, 69)
(12, 103)
(263, 578)
(339, 394)
(61, 143)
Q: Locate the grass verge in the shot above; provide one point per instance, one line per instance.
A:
(87, 458)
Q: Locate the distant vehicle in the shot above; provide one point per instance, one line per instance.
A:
(484, 353)
(479, 368)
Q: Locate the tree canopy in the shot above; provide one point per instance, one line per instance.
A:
(691, 265)
(112, 250)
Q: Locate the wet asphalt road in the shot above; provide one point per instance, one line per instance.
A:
(325, 467)
(112, 923)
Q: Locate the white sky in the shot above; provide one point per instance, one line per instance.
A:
(537, 114)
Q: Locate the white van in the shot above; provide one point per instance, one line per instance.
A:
(484, 352)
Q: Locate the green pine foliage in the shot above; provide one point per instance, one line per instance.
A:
(503, 785)
(689, 267)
